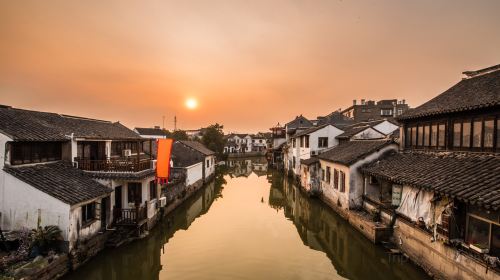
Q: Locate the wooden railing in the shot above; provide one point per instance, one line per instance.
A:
(132, 216)
(115, 165)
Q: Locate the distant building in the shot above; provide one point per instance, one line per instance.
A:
(371, 110)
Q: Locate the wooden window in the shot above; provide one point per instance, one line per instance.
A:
(498, 133)
(293, 142)
(477, 131)
(426, 135)
(489, 126)
(306, 141)
(441, 135)
(322, 142)
(134, 193)
(342, 181)
(457, 134)
(322, 174)
(328, 174)
(88, 213)
(408, 137)
(414, 136)
(434, 134)
(420, 135)
(34, 152)
(301, 139)
(208, 163)
(336, 179)
(153, 194)
(466, 132)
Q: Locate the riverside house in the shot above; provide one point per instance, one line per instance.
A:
(194, 161)
(77, 173)
(311, 142)
(341, 179)
(442, 191)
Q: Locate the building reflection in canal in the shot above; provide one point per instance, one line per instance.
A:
(350, 254)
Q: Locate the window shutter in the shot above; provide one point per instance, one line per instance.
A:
(97, 210)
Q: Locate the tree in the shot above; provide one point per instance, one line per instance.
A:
(179, 135)
(214, 138)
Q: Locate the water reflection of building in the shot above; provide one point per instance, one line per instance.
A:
(321, 229)
(245, 167)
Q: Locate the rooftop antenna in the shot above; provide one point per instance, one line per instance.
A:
(175, 122)
(163, 123)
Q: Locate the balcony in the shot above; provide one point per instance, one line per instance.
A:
(115, 164)
(130, 217)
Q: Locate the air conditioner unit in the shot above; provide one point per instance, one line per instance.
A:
(127, 153)
(163, 201)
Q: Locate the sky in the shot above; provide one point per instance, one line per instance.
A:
(249, 64)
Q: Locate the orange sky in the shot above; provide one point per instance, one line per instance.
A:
(250, 64)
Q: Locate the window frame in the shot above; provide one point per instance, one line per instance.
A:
(86, 217)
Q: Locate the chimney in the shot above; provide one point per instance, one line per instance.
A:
(157, 127)
(403, 102)
(354, 102)
(362, 102)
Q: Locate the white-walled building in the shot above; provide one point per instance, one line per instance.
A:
(380, 129)
(311, 142)
(197, 160)
(341, 180)
(89, 171)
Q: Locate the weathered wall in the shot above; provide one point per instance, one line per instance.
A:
(78, 231)
(368, 133)
(22, 206)
(440, 260)
(341, 199)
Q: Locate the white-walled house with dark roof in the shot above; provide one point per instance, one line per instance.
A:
(311, 142)
(96, 172)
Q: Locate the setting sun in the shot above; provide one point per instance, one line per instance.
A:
(191, 103)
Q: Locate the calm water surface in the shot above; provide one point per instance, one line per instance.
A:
(250, 224)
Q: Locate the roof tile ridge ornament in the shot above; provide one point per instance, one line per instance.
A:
(480, 72)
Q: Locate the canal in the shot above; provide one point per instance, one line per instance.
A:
(250, 223)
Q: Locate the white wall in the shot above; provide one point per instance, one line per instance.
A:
(194, 173)
(209, 169)
(352, 197)
(368, 133)
(23, 205)
(76, 230)
(386, 127)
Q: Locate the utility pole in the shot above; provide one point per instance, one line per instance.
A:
(175, 123)
(163, 123)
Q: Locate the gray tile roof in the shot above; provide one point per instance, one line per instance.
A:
(349, 152)
(151, 131)
(471, 177)
(299, 122)
(198, 147)
(309, 161)
(26, 125)
(473, 93)
(59, 180)
(310, 130)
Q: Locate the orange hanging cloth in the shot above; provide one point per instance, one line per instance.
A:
(163, 153)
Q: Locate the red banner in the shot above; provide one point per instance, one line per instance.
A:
(163, 153)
